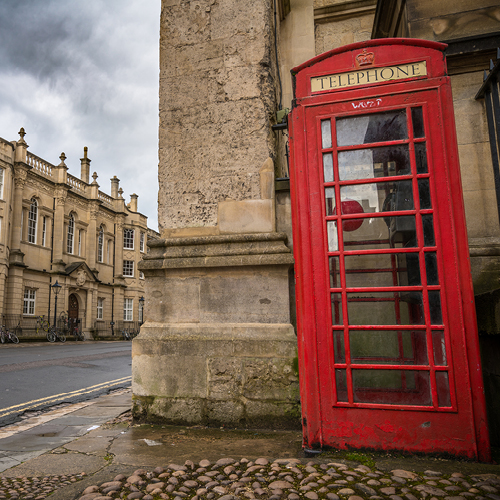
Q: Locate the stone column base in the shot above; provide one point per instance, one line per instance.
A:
(216, 374)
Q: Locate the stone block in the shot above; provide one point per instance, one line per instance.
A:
(270, 379)
(224, 378)
(244, 298)
(171, 375)
(225, 412)
(175, 299)
(247, 216)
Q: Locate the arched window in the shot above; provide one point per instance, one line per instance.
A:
(100, 244)
(32, 219)
(71, 233)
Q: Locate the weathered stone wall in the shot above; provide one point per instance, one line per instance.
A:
(218, 346)
(217, 98)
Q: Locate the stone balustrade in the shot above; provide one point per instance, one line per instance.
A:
(41, 166)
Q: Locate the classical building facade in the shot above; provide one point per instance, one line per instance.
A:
(58, 227)
(221, 279)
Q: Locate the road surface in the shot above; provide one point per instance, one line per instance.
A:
(35, 377)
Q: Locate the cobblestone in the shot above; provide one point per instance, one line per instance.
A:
(283, 479)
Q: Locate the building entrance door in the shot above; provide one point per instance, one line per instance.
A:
(73, 312)
(387, 337)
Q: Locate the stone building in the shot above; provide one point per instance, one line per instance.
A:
(220, 281)
(58, 227)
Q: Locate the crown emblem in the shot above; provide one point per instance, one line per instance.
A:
(365, 58)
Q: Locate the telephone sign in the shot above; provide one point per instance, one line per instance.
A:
(387, 334)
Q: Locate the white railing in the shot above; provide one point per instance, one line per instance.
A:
(76, 184)
(106, 199)
(41, 166)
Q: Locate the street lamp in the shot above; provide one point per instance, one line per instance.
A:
(57, 288)
(141, 302)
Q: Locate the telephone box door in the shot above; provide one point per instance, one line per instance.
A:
(387, 338)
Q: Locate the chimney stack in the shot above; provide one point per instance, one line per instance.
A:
(115, 183)
(85, 166)
(133, 202)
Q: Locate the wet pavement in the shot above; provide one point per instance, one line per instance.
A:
(91, 451)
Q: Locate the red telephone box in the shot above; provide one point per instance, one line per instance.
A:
(387, 334)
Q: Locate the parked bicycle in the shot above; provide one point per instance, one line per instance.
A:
(8, 336)
(42, 324)
(77, 334)
(126, 335)
(53, 335)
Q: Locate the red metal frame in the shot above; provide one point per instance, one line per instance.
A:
(419, 415)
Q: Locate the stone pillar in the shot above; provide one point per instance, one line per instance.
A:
(20, 174)
(90, 309)
(58, 263)
(92, 232)
(118, 273)
(218, 346)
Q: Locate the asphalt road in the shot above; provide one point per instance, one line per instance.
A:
(36, 377)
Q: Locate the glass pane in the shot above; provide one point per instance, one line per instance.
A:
(417, 119)
(337, 309)
(398, 387)
(428, 225)
(338, 346)
(376, 127)
(334, 272)
(326, 134)
(439, 348)
(435, 307)
(421, 158)
(385, 161)
(333, 243)
(381, 232)
(431, 268)
(328, 167)
(330, 201)
(377, 197)
(388, 347)
(443, 389)
(385, 308)
(382, 270)
(424, 194)
(341, 382)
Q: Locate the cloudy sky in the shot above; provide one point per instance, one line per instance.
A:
(78, 73)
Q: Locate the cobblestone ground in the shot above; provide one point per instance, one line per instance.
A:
(34, 487)
(289, 479)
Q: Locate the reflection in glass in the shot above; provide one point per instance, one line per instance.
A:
(333, 242)
(338, 346)
(326, 134)
(380, 197)
(328, 167)
(435, 307)
(382, 270)
(401, 387)
(341, 383)
(385, 308)
(431, 268)
(417, 119)
(376, 127)
(421, 158)
(439, 348)
(424, 194)
(336, 309)
(330, 200)
(428, 226)
(443, 389)
(382, 232)
(388, 347)
(334, 272)
(386, 161)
